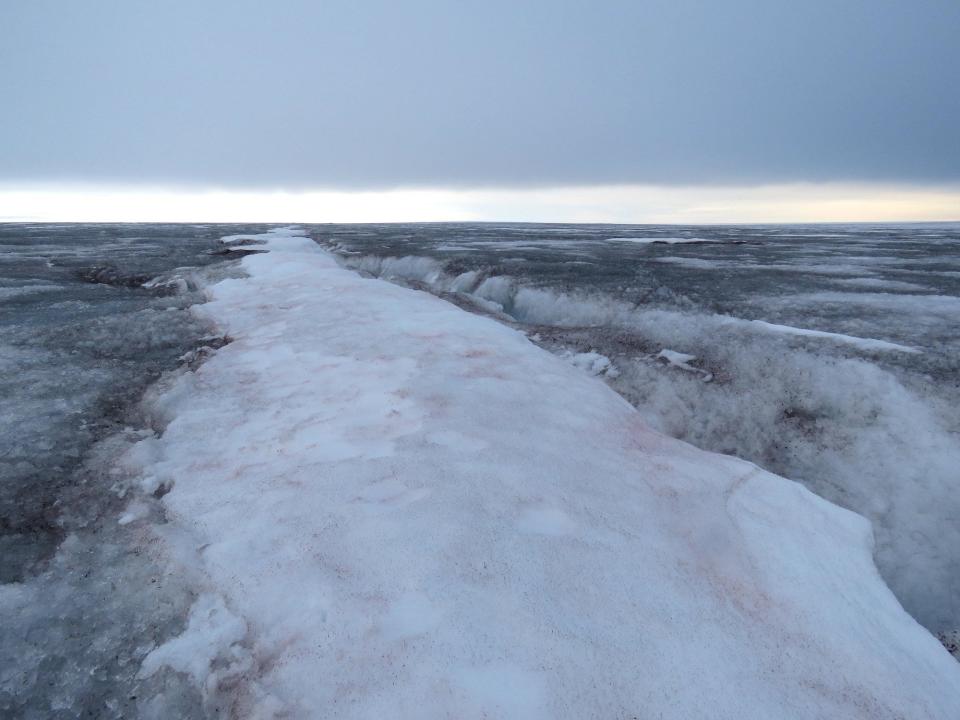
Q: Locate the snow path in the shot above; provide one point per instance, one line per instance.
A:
(403, 510)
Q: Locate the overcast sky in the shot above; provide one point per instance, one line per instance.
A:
(360, 94)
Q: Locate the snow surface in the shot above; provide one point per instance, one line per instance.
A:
(405, 510)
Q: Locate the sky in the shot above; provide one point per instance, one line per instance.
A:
(649, 110)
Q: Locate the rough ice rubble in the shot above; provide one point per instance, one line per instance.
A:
(682, 361)
(592, 363)
(211, 628)
(851, 432)
(503, 293)
(415, 512)
(74, 583)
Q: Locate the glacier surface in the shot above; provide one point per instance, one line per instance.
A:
(394, 508)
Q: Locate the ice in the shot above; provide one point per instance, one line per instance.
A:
(591, 362)
(862, 343)
(545, 306)
(420, 269)
(677, 359)
(416, 512)
(243, 238)
(880, 284)
(797, 400)
(833, 268)
(700, 263)
(502, 293)
(135, 511)
(860, 267)
(661, 240)
(75, 633)
(946, 306)
(212, 632)
(847, 429)
(499, 289)
(465, 282)
(682, 361)
(19, 290)
(82, 600)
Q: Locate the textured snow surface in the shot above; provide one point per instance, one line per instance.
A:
(403, 510)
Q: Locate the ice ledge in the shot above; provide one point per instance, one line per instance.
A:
(415, 512)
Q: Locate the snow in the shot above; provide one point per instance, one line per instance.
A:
(676, 358)
(403, 510)
(592, 363)
(212, 632)
(682, 361)
(504, 294)
(870, 344)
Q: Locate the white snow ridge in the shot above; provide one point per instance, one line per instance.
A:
(402, 510)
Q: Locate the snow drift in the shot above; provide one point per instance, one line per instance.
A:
(395, 508)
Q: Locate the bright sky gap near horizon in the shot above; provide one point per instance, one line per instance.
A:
(683, 111)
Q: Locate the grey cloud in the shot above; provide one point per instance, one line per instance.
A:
(376, 94)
